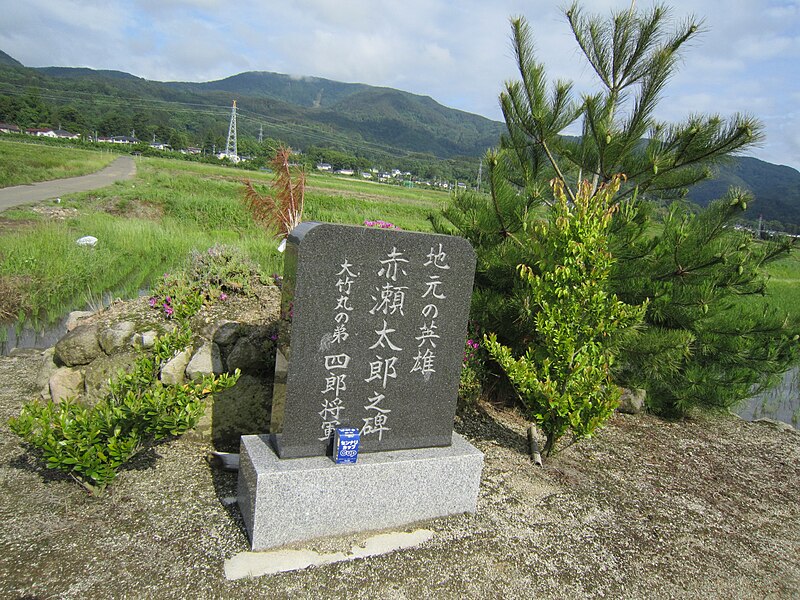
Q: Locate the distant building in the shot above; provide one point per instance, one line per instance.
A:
(9, 128)
(124, 139)
(344, 172)
(41, 132)
(63, 133)
(324, 167)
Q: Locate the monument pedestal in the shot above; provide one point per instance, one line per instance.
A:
(284, 501)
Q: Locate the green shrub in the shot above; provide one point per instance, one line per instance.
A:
(91, 444)
(209, 276)
(564, 377)
(470, 384)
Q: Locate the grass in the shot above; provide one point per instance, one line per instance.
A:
(150, 224)
(22, 163)
(783, 287)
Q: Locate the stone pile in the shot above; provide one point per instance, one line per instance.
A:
(97, 348)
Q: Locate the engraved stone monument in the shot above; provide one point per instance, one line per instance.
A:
(373, 333)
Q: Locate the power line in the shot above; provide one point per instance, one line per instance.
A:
(197, 108)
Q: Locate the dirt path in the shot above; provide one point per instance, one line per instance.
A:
(706, 508)
(122, 168)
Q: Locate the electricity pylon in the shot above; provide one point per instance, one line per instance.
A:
(230, 148)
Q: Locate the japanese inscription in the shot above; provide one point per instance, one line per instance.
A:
(377, 337)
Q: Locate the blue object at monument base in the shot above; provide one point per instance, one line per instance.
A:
(345, 446)
(288, 501)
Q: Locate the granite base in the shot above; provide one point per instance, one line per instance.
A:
(284, 501)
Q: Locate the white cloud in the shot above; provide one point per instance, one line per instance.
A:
(456, 52)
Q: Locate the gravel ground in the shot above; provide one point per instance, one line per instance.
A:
(646, 509)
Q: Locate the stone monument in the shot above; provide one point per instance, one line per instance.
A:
(373, 331)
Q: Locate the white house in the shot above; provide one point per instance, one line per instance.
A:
(63, 133)
(41, 132)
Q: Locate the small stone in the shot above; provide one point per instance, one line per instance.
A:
(66, 383)
(75, 316)
(98, 374)
(46, 369)
(226, 333)
(79, 346)
(87, 240)
(117, 336)
(206, 361)
(173, 372)
(146, 339)
(247, 357)
(631, 401)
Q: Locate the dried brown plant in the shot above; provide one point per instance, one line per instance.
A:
(283, 209)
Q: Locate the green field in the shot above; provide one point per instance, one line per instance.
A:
(150, 224)
(22, 163)
(783, 287)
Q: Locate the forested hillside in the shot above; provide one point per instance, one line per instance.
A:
(775, 188)
(366, 125)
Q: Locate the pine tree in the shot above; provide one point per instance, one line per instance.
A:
(708, 340)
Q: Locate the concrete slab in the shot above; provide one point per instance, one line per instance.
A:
(284, 501)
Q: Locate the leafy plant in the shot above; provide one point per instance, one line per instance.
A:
(473, 373)
(284, 211)
(209, 276)
(705, 342)
(221, 270)
(564, 376)
(91, 444)
(713, 338)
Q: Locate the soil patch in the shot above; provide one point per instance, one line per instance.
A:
(646, 509)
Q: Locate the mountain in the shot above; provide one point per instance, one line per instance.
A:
(310, 92)
(377, 115)
(377, 124)
(6, 60)
(775, 188)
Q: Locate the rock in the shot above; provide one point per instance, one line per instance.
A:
(226, 333)
(66, 383)
(79, 346)
(227, 461)
(240, 410)
(146, 339)
(173, 372)
(631, 401)
(46, 369)
(100, 371)
(75, 316)
(87, 240)
(117, 336)
(205, 361)
(248, 357)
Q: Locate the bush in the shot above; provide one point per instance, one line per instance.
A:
(473, 372)
(209, 276)
(91, 444)
(564, 377)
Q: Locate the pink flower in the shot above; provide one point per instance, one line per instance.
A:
(223, 296)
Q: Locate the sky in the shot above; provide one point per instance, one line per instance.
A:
(746, 60)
